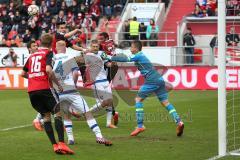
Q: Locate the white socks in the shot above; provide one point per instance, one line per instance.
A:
(94, 127)
(109, 115)
(68, 127)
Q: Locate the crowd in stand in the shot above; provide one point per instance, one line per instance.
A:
(16, 28)
(205, 8)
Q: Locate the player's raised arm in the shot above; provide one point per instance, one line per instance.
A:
(72, 33)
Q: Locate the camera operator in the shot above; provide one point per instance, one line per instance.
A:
(10, 59)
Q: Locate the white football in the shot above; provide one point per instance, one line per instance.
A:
(33, 10)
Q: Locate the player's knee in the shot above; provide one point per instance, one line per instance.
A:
(88, 115)
(107, 102)
(168, 86)
(165, 103)
(138, 99)
(47, 117)
(58, 114)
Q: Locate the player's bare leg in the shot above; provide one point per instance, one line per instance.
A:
(139, 115)
(172, 111)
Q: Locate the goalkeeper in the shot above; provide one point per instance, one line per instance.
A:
(154, 83)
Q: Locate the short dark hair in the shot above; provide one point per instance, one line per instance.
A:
(30, 43)
(135, 18)
(46, 40)
(60, 23)
(94, 41)
(137, 44)
(105, 35)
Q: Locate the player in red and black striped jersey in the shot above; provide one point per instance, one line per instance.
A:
(38, 70)
(108, 46)
(62, 34)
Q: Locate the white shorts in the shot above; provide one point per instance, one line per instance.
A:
(73, 103)
(102, 91)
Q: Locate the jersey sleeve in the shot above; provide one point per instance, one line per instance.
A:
(134, 58)
(49, 58)
(121, 58)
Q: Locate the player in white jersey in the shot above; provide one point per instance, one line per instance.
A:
(65, 67)
(100, 84)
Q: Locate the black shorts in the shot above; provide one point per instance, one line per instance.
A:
(44, 101)
(111, 72)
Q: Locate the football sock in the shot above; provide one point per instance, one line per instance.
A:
(139, 114)
(172, 111)
(94, 127)
(109, 115)
(59, 128)
(49, 131)
(68, 126)
(39, 117)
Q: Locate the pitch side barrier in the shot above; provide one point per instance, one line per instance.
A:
(128, 78)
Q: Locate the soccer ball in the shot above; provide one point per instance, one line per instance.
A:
(33, 10)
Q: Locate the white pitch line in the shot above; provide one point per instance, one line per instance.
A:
(216, 157)
(16, 127)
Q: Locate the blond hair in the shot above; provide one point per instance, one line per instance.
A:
(61, 47)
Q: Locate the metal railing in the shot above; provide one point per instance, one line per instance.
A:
(162, 38)
(200, 55)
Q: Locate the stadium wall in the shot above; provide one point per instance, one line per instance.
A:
(128, 78)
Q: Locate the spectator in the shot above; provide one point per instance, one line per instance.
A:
(189, 42)
(47, 18)
(166, 2)
(79, 19)
(232, 38)
(107, 7)
(118, 6)
(142, 30)
(152, 33)
(211, 7)
(68, 3)
(134, 29)
(87, 22)
(95, 12)
(198, 11)
(64, 6)
(53, 26)
(11, 8)
(214, 43)
(17, 19)
(10, 59)
(27, 36)
(53, 8)
(61, 17)
(43, 8)
(126, 29)
(23, 10)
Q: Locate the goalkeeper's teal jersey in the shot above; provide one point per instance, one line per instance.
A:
(143, 64)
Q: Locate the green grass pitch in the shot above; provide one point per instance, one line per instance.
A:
(159, 142)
